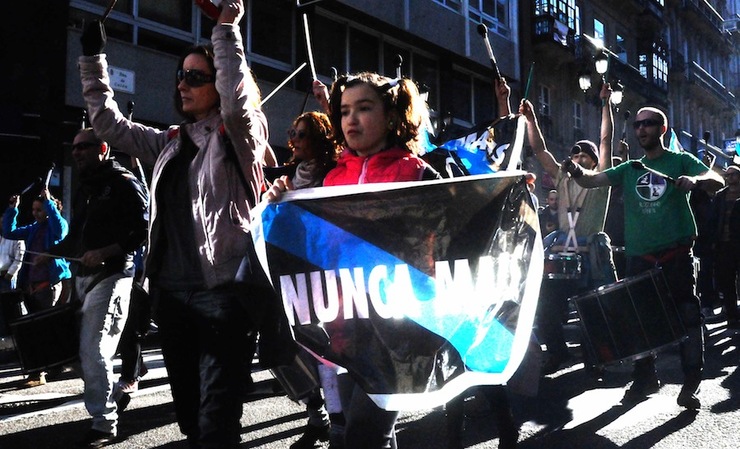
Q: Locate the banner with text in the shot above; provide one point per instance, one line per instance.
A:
(420, 290)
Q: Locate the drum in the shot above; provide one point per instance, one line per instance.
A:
(299, 378)
(48, 338)
(562, 266)
(628, 320)
(10, 309)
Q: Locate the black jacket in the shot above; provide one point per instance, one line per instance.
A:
(109, 206)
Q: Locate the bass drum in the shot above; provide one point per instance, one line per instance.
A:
(628, 320)
(48, 338)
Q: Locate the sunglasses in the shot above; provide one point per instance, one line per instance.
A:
(194, 78)
(293, 134)
(646, 123)
(85, 145)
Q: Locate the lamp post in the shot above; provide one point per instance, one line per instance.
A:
(601, 62)
(584, 80)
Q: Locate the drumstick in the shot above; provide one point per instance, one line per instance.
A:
(308, 46)
(640, 166)
(483, 31)
(30, 186)
(108, 10)
(48, 176)
(73, 259)
(285, 81)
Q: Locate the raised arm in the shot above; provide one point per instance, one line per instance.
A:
(503, 94)
(607, 128)
(537, 141)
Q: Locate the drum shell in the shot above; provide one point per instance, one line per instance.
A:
(299, 378)
(562, 266)
(628, 320)
(48, 338)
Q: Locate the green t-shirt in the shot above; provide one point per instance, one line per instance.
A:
(657, 214)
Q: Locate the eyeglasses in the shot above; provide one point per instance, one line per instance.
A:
(194, 78)
(646, 123)
(295, 135)
(85, 145)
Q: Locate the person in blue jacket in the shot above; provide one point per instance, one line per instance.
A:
(42, 280)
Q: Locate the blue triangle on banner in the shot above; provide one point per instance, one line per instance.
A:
(484, 343)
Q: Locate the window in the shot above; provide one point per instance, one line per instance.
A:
(328, 39)
(599, 33)
(620, 48)
(493, 13)
(455, 5)
(265, 40)
(577, 116)
(364, 52)
(563, 10)
(653, 64)
(462, 100)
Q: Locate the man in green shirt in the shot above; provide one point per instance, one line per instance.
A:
(659, 232)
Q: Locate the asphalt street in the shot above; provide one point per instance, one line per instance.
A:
(571, 409)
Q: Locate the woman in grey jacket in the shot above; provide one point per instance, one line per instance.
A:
(198, 229)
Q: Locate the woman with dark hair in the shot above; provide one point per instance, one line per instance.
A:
(42, 282)
(42, 279)
(198, 228)
(314, 153)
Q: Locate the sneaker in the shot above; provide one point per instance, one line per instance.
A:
(34, 380)
(95, 439)
(641, 389)
(122, 402)
(688, 399)
(311, 436)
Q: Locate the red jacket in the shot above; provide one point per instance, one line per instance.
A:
(393, 164)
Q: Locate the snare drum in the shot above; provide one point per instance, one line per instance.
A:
(628, 320)
(48, 338)
(562, 266)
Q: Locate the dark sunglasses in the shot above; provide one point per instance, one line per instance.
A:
(646, 123)
(293, 134)
(85, 145)
(194, 78)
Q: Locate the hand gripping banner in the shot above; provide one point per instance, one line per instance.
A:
(420, 290)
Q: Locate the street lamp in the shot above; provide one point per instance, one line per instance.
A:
(601, 62)
(584, 80)
(617, 93)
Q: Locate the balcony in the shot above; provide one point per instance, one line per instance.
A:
(706, 16)
(702, 79)
(549, 30)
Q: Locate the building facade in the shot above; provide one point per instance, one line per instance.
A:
(680, 55)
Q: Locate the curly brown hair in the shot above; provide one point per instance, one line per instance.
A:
(319, 136)
(401, 100)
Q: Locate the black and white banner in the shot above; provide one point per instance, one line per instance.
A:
(420, 290)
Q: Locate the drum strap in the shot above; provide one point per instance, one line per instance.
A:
(574, 210)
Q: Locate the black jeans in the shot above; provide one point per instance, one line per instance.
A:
(681, 279)
(204, 335)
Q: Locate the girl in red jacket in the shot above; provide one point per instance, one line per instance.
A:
(377, 120)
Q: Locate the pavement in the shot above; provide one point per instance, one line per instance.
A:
(571, 409)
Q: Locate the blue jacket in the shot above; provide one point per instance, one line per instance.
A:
(58, 229)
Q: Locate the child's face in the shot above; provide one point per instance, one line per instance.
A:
(364, 121)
